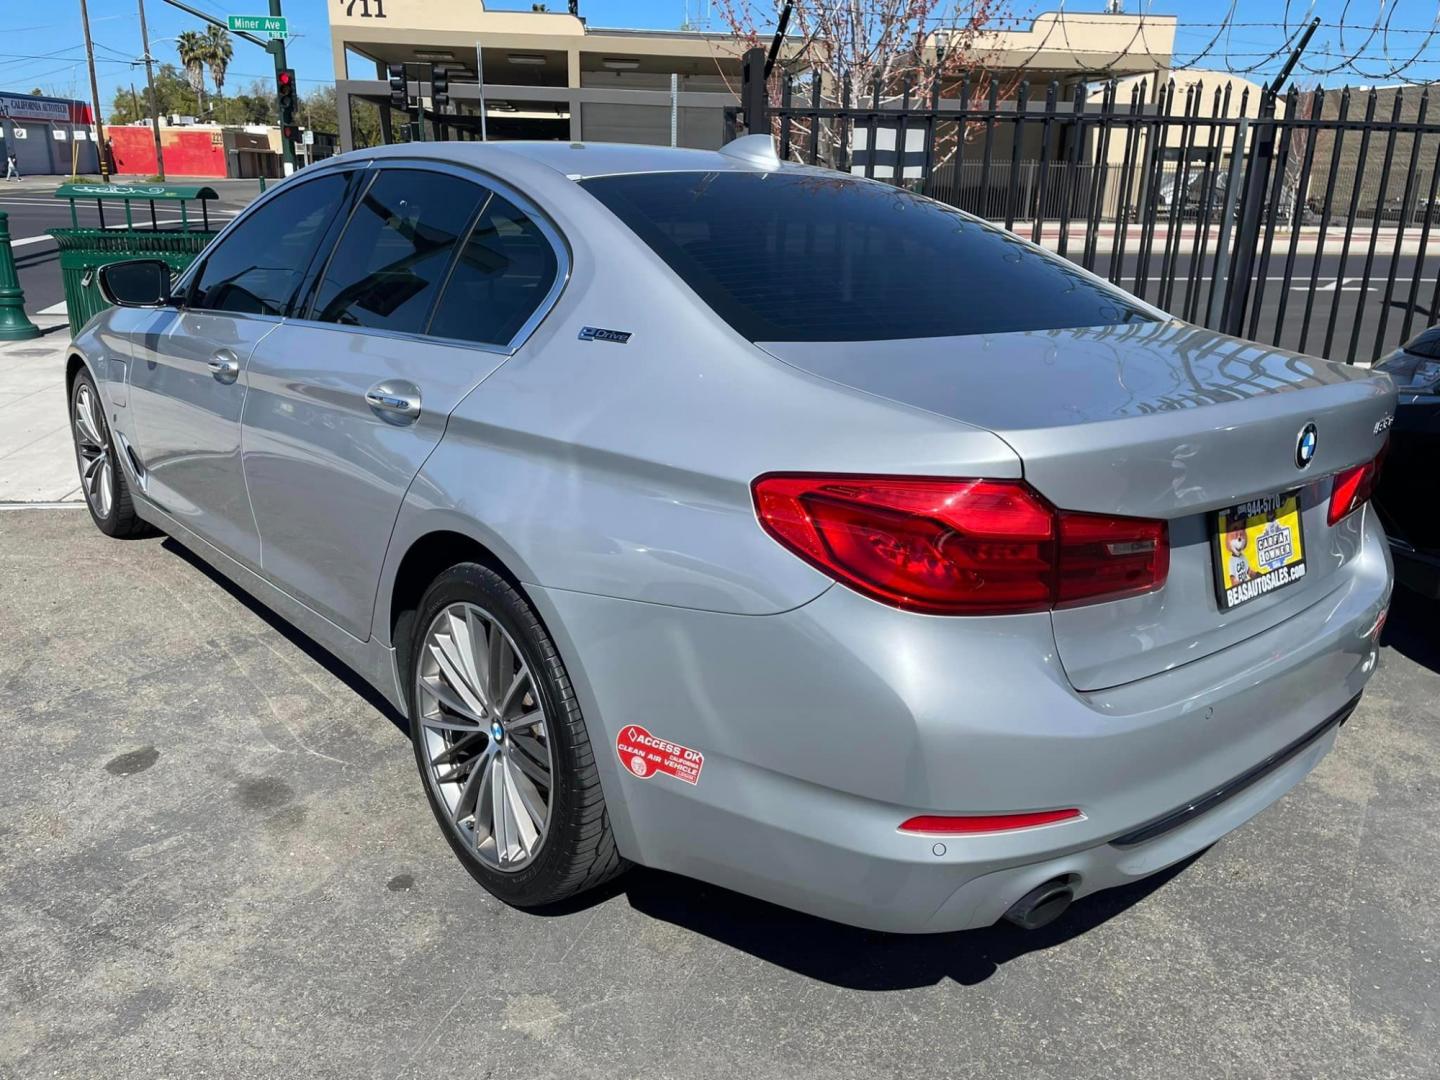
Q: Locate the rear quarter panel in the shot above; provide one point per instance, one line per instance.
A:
(624, 469)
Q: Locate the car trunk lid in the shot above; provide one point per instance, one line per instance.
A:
(1157, 420)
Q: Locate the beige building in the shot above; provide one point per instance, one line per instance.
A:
(549, 74)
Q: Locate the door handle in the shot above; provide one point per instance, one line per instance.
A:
(394, 400)
(224, 366)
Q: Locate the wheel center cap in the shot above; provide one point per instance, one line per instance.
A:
(497, 732)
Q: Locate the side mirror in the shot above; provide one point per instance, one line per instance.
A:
(136, 283)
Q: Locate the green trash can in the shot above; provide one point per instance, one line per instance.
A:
(84, 250)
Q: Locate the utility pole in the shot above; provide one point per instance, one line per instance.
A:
(275, 47)
(277, 50)
(154, 99)
(95, 94)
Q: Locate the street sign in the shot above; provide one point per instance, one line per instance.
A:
(259, 24)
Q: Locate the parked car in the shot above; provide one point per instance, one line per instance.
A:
(1402, 497)
(755, 522)
(1202, 198)
(1200, 192)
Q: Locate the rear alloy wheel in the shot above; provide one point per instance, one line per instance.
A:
(485, 737)
(501, 744)
(101, 480)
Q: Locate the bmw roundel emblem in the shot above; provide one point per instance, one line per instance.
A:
(1305, 446)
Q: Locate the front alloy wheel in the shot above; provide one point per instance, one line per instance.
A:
(97, 470)
(101, 480)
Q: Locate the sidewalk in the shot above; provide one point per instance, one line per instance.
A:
(37, 458)
(46, 183)
(1308, 242)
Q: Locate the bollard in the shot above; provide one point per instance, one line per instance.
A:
(262, 185)
(14, 326)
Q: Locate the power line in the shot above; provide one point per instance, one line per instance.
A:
(52, 26)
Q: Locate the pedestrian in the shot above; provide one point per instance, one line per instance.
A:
(12, 171)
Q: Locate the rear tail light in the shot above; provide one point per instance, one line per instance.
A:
(1354, 486)
(1105, 557)
(960, 547)
(969, 824)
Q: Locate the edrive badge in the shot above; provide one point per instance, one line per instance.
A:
(598, 333)
(1305, 446)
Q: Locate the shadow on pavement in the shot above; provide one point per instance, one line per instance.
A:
(829, 952)
(301, 641)
(1410, 628)
(847, 956)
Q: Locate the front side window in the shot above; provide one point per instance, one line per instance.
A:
(257, 267)
(807, 256)
(391, 260)
(504, 272)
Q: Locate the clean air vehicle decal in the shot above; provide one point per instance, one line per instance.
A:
(644, 755)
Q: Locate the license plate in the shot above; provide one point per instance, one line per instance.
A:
(1258, 548)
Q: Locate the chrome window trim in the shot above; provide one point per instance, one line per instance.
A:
(455, 256)
(247, 316)
(362, 189)
(184, 280)
(497, 186)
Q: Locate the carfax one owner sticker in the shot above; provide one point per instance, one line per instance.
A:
(1259, 547)
(645, 755)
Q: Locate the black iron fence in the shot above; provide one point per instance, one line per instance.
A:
(1300, 219)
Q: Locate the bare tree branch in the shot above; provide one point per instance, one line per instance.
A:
(864, 50)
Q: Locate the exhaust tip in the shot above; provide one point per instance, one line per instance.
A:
(1042, 905)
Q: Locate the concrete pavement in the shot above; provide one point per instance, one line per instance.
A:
(216, 860)
(37, 460)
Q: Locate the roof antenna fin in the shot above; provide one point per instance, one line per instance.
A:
(753, 150)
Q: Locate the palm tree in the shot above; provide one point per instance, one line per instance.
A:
(218, 52)
(193, 50)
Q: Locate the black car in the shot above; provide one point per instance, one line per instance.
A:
(1403, 498)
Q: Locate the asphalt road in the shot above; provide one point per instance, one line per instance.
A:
(1282, 319)
(33, 210)
(1337, 303)
(216, 859)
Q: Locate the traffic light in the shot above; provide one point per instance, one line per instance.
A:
(440, 87)
(399, 93)
(285, 97)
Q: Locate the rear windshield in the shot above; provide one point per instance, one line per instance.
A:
(798, 256)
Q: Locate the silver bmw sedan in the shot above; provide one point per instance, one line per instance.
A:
(755, 522)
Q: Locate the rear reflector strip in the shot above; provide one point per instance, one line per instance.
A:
(1213, 798)
(952, 825)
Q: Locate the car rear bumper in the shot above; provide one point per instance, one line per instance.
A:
(825, 727)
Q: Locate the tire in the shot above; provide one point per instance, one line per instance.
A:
(462, 763)
(102, 481)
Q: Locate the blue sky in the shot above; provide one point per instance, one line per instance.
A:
(41, 45)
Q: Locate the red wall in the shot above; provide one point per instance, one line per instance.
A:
(187, 153)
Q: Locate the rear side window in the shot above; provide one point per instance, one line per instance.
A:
(387, 269)
(800, 256)
(257, 267)
(505, 270)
